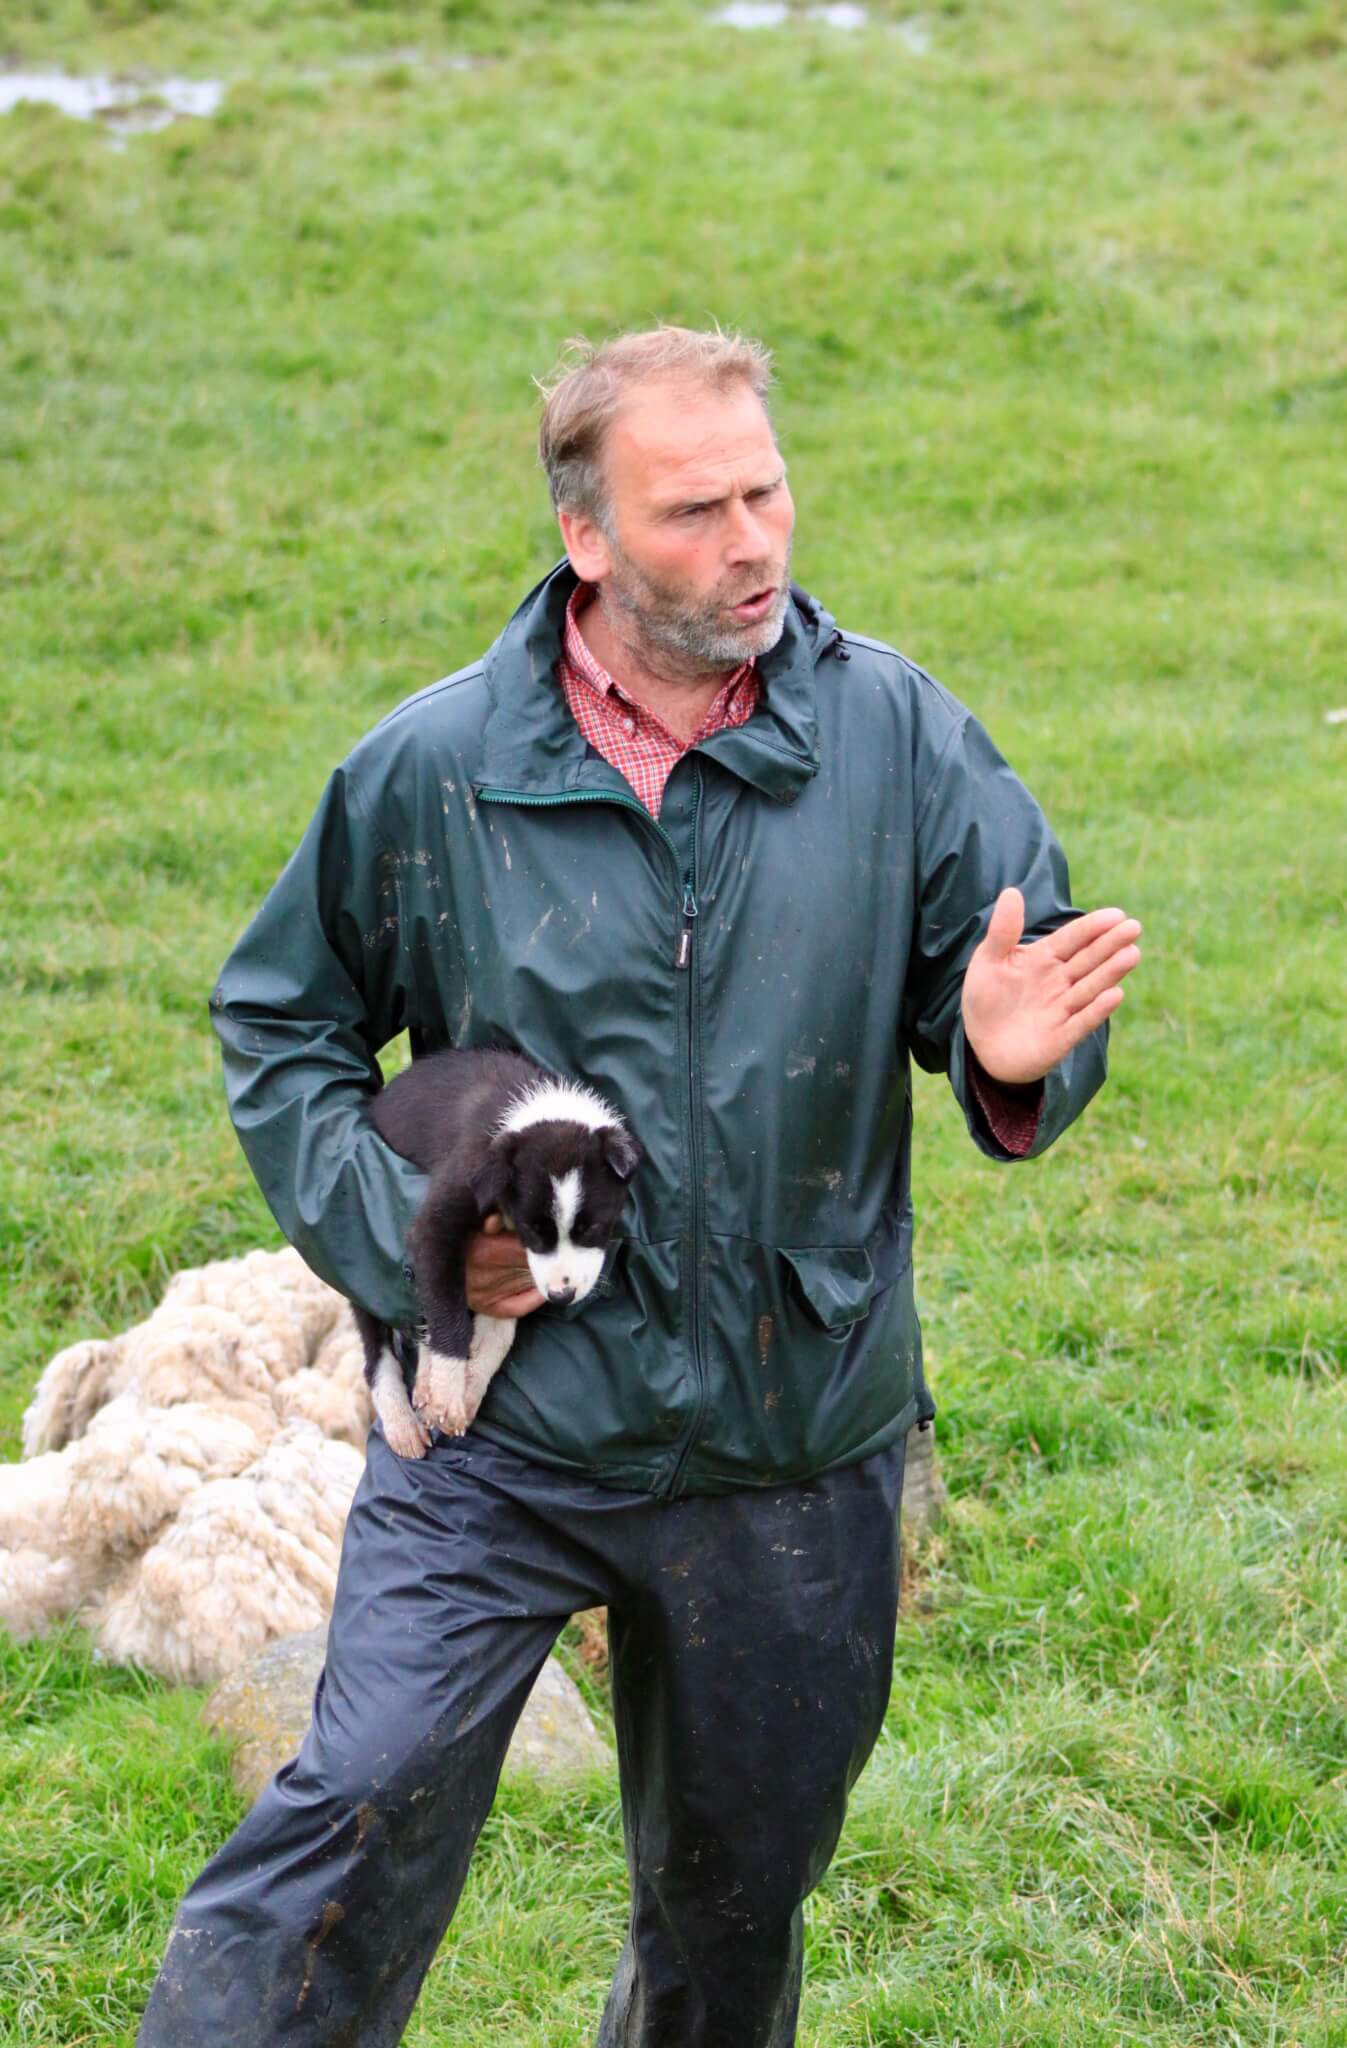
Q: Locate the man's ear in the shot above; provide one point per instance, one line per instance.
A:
(585, 544)
(490, 1181)
(622, 1152)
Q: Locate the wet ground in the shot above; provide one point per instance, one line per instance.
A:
(844, 14)
(127, 105)
(136, 103)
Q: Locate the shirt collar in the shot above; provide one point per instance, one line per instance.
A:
(532, 744)
(578, 656)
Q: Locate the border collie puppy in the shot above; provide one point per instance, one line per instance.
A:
(494, 1131)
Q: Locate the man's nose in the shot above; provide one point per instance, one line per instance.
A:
(748, 539)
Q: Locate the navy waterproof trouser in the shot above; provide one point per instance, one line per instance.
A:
(751, 1652)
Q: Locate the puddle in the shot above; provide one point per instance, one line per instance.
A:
(124, 106)
(915, 34)
(752, 14)
(842, 16)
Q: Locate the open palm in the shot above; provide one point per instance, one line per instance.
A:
(1024, 1007)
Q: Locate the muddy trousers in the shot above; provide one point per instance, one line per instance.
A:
(751, 1650)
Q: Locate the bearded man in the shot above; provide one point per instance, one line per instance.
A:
(679, 836)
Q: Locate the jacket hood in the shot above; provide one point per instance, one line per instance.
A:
(532, 744)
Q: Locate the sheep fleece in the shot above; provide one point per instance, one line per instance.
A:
(184, 1485)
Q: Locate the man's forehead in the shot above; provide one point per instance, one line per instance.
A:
(670, 437)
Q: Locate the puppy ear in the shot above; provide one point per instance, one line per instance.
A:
(489, 1181)
(621, 1151)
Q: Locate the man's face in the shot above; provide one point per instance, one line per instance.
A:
(697, 549)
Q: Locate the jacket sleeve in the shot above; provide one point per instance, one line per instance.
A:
(979, 831)
(304, 1002)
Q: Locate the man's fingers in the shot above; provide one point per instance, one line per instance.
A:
(1103, 948)
(505, 1250)
(518, 1304)
(497, 1262)
(487, 1299)
(1087, 1020)
(1065, 943)
(1106, 977)
(1006, 922)
(496, 1251)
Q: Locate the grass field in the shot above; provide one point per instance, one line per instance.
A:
(1057, 302)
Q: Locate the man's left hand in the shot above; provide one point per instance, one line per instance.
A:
(497, 1280)
(1024, 1007)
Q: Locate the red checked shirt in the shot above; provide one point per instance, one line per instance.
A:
(640, 746)
(628, 734)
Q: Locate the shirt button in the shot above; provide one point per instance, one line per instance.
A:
(629, 724)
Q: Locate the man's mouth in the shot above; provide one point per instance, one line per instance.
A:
(757, 606)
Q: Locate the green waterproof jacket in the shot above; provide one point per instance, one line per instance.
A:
(745, 980)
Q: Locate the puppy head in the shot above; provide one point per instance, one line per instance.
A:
(560, 1186)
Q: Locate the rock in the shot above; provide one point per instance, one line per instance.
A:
(555, 1733)
(265, 1707)
(924, 1492)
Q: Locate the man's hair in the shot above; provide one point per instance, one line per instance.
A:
(589, 383)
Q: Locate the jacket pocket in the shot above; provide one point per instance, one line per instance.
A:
(808, 1354)
(838, 1282)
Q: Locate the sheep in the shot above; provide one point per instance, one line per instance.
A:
(185, 1484)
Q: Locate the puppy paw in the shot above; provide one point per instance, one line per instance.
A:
(440, 1394)
(408, 1437)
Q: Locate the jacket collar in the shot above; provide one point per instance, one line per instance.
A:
(532, 744)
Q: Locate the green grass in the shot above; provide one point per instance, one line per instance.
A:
(1057, 311)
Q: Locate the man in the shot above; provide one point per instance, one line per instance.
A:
(679, 836)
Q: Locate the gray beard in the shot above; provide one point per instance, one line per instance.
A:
(690, 640)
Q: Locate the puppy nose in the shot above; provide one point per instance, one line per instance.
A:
(561, 1295)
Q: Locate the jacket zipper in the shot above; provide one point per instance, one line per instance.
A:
(684, 954)
(683, 959)
(683, 962)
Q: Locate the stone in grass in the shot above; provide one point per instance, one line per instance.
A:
(924, 1495)
(265, 1706)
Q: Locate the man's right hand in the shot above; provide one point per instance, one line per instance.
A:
(497, 1280)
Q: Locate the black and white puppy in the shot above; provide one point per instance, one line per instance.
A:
(494, 1131)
